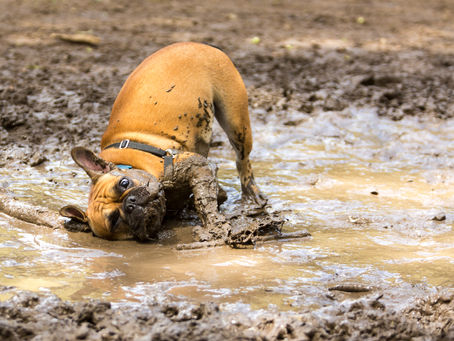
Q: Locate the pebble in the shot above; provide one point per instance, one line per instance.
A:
(439, 217)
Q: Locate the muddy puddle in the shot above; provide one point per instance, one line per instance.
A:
(375, 194)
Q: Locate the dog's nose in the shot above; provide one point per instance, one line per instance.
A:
(130, 203)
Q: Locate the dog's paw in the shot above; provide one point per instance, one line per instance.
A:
(200, 234)
(215, 231)
(253, 196)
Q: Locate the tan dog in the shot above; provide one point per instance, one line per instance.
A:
(160, 130)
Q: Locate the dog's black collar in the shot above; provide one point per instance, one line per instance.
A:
(139, 146)
(167, 155)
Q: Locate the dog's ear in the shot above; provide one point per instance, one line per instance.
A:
(93, 165)
(79, 219)
(74, 212)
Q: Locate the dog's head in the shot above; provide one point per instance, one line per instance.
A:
(122, 202)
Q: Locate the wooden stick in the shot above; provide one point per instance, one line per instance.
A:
(283, 235)
(80, 38)
(29, 213)
(353, 287)
(258, 239)
(200, 245)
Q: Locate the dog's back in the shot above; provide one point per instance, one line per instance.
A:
(171, 98)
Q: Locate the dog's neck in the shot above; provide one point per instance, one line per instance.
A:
(150, 163)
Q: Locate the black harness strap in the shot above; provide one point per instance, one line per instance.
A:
(167, 155)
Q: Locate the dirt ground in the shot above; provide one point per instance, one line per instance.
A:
(309, 56)
(29, 316)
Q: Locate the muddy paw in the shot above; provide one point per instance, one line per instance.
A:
(217, 231)
(251, 194)
(200, 234)
(254, 199)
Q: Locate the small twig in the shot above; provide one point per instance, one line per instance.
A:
(258, 239)
(200, 245)
(284, 235)
(252, 242)
(351, 288)
(79, 38)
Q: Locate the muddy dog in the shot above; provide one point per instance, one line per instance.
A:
(153, 152)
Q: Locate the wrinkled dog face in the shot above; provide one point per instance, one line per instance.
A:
(126, 202)
(122, 203)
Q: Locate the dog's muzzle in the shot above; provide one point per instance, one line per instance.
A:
(144, 209)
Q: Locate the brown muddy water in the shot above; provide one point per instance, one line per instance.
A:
(375, 194)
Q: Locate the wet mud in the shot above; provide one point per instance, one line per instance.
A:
(25, 316)
(351, 107)
(243, 227)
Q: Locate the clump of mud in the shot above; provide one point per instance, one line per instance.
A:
(244, 229)
(27, 315)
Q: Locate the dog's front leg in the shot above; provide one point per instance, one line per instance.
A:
(205, 189)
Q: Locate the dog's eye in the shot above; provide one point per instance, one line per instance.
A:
(124, 183)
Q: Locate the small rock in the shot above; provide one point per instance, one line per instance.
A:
(439, 217)
(36, 159)
(82, 332)
(358, 220)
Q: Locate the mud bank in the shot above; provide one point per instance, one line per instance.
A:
(27, 316)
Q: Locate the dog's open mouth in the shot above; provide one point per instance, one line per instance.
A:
(143, 210)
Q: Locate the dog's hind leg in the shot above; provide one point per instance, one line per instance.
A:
(231, 111)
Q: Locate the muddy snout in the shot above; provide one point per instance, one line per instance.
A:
(144, 209)
(138, 197)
